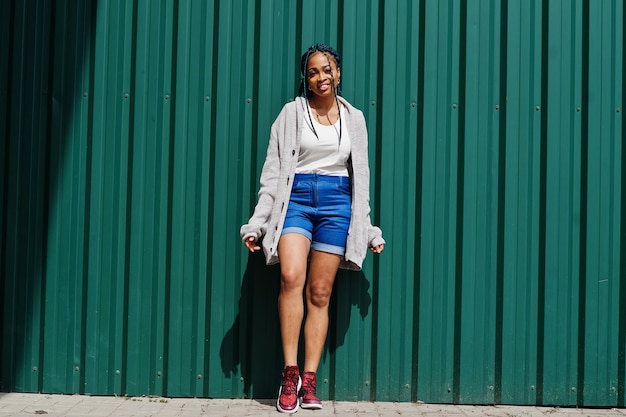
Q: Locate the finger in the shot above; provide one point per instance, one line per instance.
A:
(251, 244)
(377, 249)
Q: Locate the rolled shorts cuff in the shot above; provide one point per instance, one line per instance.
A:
(325, 247)
(298, 230)
(318, 246)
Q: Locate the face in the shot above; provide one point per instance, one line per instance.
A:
(320, 71)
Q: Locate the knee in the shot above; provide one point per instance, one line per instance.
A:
(319, 296)
(292, 280)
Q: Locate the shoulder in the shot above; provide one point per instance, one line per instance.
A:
(357, 126)
(352, 112)
(289, 109)
(291, 106)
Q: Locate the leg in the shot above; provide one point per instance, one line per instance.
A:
(322, 271)
(293, 251)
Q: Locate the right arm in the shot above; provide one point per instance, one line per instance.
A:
(257, 225)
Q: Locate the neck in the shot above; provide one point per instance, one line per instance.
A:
(325, 103)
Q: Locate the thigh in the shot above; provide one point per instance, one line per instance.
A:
(323, 268)
(293, 253)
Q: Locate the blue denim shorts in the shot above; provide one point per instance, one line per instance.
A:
(320, 208)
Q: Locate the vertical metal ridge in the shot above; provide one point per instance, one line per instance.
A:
(460, 196)
(129, 192)
(170, 193)
(211, 191)
(621, 356)
(380, 64)
(501, 180)
(90, 16)
(298, 44)
(542, 200)
(255, 92)
(421, 53)
(7, 25)
(340, 27)
(254, 154)
(247, 311)
(49, 122)
(584, 173)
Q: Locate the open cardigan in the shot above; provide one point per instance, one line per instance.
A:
(277, 179)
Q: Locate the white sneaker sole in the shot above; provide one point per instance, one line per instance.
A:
(280, 390)
(311, 406)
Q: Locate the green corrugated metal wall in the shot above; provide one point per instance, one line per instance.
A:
(133, 137)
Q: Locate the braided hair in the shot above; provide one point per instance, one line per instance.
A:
(304, 60)
(304, 92)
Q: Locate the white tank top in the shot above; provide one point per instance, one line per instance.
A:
(323, 154)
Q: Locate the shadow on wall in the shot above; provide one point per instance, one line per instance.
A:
(253, 341)
(43, 49)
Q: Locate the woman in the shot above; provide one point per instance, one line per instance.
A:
(313, 213)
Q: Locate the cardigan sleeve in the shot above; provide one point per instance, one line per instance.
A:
(375, 236)
(374, 233)
(257, 225)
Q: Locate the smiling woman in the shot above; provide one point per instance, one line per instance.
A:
(321, 69)
(318, 220)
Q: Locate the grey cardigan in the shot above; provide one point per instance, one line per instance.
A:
(277, 179)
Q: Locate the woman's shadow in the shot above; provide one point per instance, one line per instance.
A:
(251, 348)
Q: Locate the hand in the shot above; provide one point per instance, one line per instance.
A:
(377, 249)
(251, 244)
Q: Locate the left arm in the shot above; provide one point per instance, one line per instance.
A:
(375, 240)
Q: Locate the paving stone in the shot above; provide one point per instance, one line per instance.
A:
(53, 405)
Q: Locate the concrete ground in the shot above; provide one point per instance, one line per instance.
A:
(19, 404)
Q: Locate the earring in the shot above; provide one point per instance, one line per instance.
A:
(309, 87)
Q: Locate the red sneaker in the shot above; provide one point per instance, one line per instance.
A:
(307, 392)
(288, 400)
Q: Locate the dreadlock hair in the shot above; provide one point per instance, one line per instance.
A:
(305, 92)
(304, 60)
